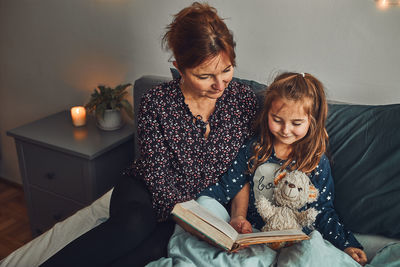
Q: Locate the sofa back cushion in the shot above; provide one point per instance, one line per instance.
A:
(365, 159)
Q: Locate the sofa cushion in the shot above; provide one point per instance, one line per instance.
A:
(365, 159)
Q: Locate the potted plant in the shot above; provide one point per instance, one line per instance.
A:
(107, 103)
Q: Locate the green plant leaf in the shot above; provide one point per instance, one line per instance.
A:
(128, 108)
(105, 97)
(100, 109)
(113, 104)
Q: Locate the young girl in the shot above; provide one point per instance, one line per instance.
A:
(291, 135)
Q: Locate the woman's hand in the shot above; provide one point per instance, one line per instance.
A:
(241, 225)
(357, 254)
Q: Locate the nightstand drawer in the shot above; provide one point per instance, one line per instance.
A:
(49, 209)
(61, 171)
(54, 171)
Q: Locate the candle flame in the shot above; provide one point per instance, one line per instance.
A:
(384, 4)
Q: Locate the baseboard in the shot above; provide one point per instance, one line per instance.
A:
(10, 183)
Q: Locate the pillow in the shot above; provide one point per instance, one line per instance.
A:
(175, 73)
(365, 159)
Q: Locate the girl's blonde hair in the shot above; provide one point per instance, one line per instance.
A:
(307, 152)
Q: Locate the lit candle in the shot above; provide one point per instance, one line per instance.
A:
(78, 115)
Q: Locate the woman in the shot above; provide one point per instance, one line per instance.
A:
(190, 129)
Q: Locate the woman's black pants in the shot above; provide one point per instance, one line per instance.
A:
(130, 237)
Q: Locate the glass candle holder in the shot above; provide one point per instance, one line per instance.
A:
(78, 115)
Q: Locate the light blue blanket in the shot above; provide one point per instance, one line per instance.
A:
(389, 256)
(187, 250)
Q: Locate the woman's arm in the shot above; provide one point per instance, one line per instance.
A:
(154, 164)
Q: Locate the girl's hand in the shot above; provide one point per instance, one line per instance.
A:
(357, 254)
(241, 225)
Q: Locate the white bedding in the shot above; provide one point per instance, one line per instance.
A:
(44, 246)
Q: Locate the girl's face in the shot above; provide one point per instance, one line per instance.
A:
(287, 121)
(209, 79)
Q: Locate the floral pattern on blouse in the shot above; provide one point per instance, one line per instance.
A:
(176, 160)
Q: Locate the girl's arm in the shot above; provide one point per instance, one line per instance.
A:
(239, 211)
(327, 222)
(234, 185)
(233, 180)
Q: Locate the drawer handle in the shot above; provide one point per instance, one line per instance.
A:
(50, 175)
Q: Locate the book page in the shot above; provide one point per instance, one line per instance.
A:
(289, 232)
(200, 211)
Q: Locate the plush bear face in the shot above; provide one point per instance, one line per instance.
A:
(294, 190)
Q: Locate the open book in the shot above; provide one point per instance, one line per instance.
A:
(199, 221)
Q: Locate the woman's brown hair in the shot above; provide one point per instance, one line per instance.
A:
(196, 34)
(307, 152)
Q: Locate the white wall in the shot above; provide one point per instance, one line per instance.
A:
(54, 53)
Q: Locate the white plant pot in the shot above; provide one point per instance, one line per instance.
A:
(112, 120)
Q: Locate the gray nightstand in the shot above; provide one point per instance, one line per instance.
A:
(65, 168)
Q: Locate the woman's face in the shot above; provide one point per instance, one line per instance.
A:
(287, 121)
(209, 79)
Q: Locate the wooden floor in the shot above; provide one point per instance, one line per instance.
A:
(14, 223)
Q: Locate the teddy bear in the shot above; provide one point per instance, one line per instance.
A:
(292, 191)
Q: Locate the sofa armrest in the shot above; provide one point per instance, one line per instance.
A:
(373, 243)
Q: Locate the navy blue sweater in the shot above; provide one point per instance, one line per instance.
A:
(261, 183)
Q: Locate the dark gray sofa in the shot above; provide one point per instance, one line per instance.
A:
(365, 156)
